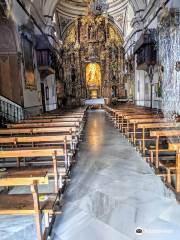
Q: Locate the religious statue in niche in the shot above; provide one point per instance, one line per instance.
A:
(93, 75)
(101, 33)
(92, 33)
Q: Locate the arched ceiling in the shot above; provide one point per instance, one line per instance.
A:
(74, 8)
(121, 11)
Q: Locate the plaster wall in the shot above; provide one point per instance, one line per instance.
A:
(32, 98)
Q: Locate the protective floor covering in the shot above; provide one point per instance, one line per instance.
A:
(112, 192)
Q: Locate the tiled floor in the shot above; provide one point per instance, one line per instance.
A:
(112, 192)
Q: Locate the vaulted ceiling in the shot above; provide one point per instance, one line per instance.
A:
(80, 5)
(121, 11)
(69, 9)
(73, 8)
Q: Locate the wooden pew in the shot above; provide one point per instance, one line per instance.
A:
(158, 135)
(63, 119)
(127, 118)
(123, 117)
(28, 204)
(56, 116)
(176, 147)
(135, 121)
(157, 128)
(51, 130)
(44, 124)
(12, 204)
(173, 169)
(54, 153)
(148, 126)
(37, 141)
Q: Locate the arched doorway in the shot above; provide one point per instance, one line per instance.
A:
(93, 80)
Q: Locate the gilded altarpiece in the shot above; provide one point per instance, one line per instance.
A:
(93, 40)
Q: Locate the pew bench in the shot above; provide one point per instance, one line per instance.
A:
(28, 204)
(33, 131)
(43, 153)
(63, 119)
(146, 127)
(43, 125)
(66, 141)
(135, 121)
(141, 117)
(158, 135)
(57, 116)
(173, 168)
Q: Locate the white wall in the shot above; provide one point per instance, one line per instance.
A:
(31, 97)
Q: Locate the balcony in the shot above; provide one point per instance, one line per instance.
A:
(44, 56)
(145, 50)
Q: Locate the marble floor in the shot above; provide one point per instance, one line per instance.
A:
(112, 193)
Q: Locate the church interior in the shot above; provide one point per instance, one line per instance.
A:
(89, 119)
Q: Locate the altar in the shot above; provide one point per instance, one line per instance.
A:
(94, 102)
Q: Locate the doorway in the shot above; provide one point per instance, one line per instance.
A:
(43, 97)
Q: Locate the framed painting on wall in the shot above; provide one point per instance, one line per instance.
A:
(28, 56)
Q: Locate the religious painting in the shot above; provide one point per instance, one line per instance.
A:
(28, 55)
(93, 75)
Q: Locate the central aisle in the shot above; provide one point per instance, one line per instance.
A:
(113, 191)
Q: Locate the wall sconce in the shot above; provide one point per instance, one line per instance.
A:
(177, 66)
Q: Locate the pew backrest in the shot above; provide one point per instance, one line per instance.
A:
(13, 131)
(32, 152)
(147, 120)
(41, 125)
(36, 139)
(164, 133)
(158, 125)
(53, 120)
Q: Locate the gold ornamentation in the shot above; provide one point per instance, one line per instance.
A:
(114, 36)
(71, 36)
(93, 75)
